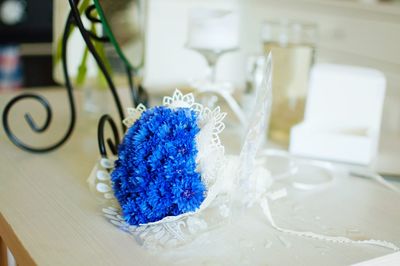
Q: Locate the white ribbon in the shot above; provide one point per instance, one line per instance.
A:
(264, 204)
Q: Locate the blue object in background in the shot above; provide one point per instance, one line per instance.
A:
(10, 68)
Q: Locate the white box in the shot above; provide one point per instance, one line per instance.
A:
(343, 115)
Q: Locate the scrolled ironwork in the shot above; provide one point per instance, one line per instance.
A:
(99, 61)
(113, 145)
(138, 94)
(43, 101)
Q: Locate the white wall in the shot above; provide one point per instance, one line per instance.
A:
(168, 62)
(350, 33)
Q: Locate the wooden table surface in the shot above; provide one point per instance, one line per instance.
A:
(49, 217)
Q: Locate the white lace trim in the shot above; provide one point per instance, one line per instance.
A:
(134, 114)
(150, 235)
(336, 239)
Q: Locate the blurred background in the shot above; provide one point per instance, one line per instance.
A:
(362, 33)
(26, 30)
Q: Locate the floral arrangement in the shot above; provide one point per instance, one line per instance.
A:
(167, 173)
(155, 175)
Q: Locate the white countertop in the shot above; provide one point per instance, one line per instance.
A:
(49, 217)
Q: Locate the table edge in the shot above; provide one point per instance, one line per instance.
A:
(11, 240)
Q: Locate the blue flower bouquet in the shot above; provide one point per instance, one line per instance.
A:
(168, 172)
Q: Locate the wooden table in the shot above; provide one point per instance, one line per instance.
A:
(49, 217)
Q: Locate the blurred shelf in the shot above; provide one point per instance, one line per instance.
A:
(389, 10)
(36, 49)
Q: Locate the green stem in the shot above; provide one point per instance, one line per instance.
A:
(82, 69)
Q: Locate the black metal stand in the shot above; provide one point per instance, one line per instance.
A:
(138, 93)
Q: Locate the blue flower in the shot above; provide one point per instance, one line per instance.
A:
(155, 175)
